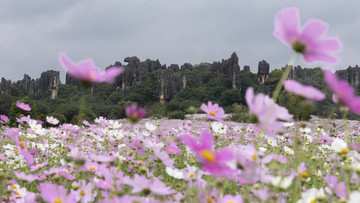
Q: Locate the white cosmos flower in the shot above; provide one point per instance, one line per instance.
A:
(288, 150)
(100, 119)
(37, 128)
(281, 182)
(312, 195)
(339, 146)
(354, 197)
(288, 124)
(305, 130)
(150, 126)
(52, 120)
(175, 173)
(218, 127)
(272, 142)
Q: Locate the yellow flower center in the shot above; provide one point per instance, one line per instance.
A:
(208, 156)
(138, 147)
(92, 76)
(344, 151)
(82, 193)
(39, 166)
(140, 161)
(22, 145)
(210, 200)
(191, 175)
(313, 201)
(92, 167)
(304, 174)
(15, 151)
(14, 187)
(212, 113)
(9, 181)
(253, 156)
(58, 200)
(17, 193)
(171, 151)
(230, 201)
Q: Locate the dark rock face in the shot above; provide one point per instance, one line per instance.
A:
(263, 71)
(247, 68)
(173, 78)
(5, 86)
(48, 81)
(351, 75)
(27, 84)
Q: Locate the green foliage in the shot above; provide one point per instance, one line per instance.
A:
(177, 115)
(295, 105)
(240, 113)
(5, 103)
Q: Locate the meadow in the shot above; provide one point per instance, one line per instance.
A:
(204, 158)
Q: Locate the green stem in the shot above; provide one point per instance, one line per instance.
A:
(283, 77)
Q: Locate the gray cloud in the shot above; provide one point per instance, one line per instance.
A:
(33, 33)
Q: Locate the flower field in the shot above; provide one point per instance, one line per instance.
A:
(118, 161)
(200, 159)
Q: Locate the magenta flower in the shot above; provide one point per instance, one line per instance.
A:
(23, 106)
(213, 111)
(343, 92)
(310, 40)
(4, 118)
(266, 112)
(87, 72)
(308, 92)
(134, 114)
(214, 162)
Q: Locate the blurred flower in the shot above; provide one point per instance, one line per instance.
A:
(54, 193)
(308, 92)
(214, 162)
(343, 93)
(310, 41)
(23, 106)
(229, 198)
(4, 118)
(85, 71)
(134, 114)
(266, 112)
(213, 111)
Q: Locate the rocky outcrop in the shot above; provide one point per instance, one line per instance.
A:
(48, 82)
(263, 71)
(5, 86)
(173, 78)
(351, 75)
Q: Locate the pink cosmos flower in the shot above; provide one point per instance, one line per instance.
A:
(55, 193)
(267, 112)
(23, 176)
(23, 106)
(141, 183)
(229, 198)
(213, 111)
(343, 92)
(38, 166)
(86, 71)
(4, 118)
(213, 162)
(307, 92)
(310, 40)
(134, 114)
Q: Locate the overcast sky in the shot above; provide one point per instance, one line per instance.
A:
(33, 33)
